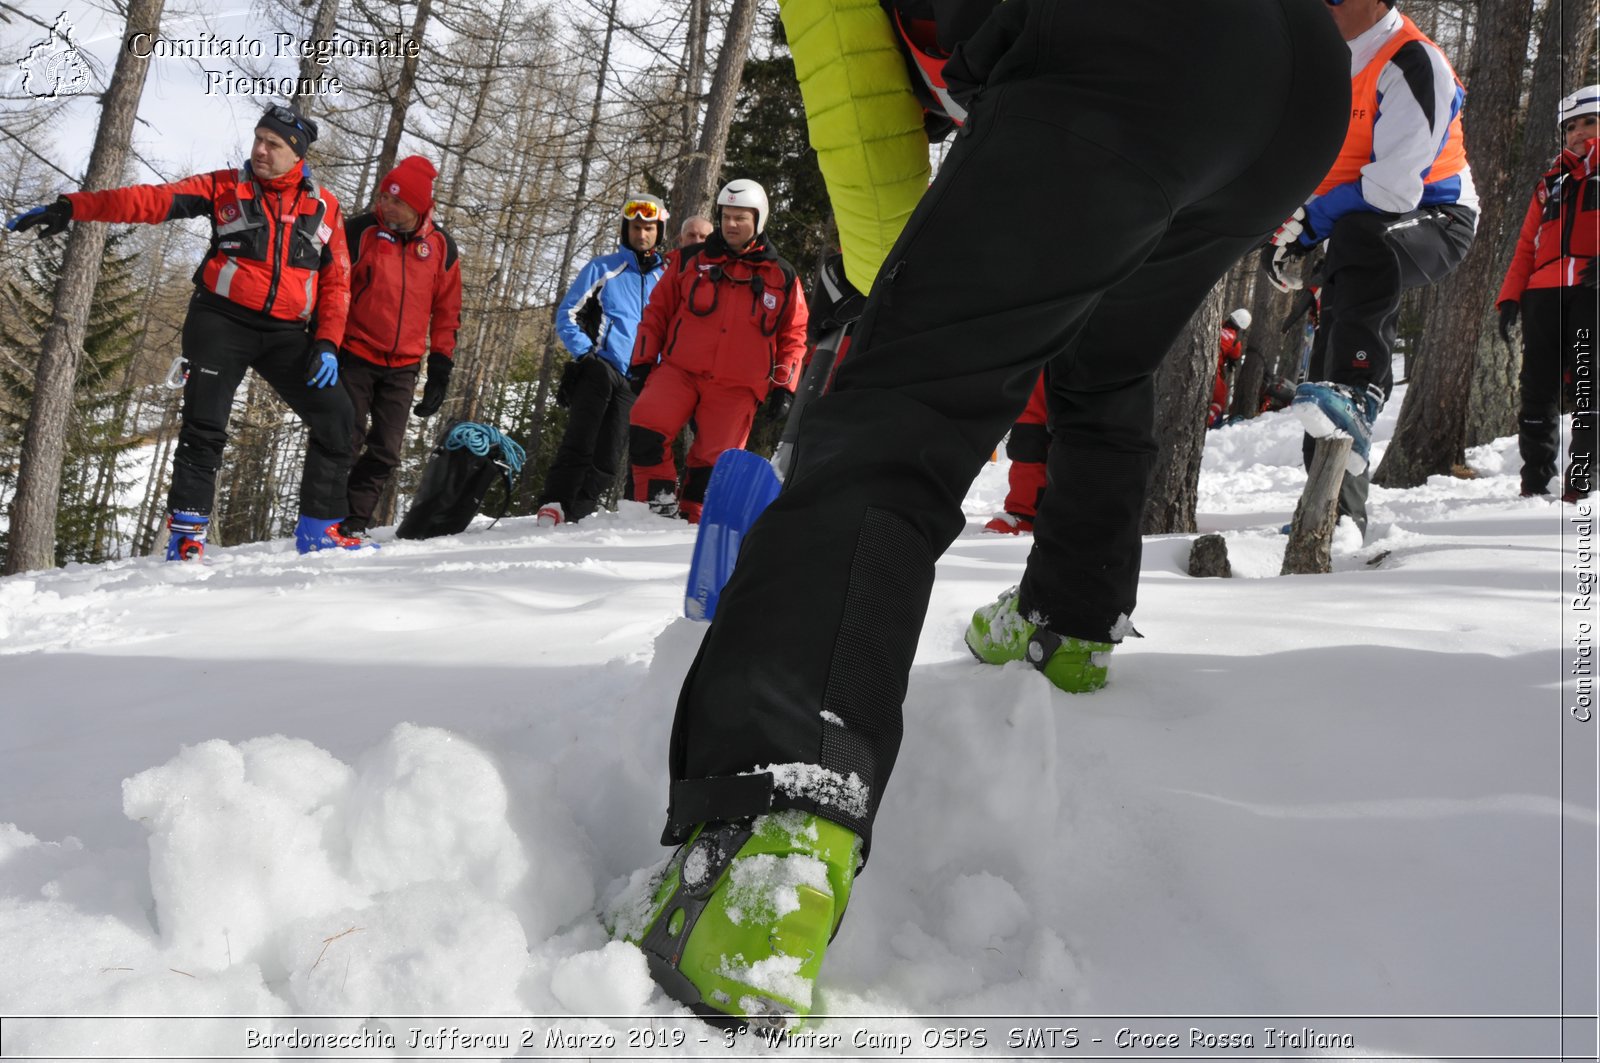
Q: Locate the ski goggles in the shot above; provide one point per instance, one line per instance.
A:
(642, 210)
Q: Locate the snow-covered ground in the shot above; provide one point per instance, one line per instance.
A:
(362, 795)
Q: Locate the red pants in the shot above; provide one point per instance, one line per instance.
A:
(1027, 447)
(722, 416)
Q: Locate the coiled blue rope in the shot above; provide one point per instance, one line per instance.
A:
(482, 438)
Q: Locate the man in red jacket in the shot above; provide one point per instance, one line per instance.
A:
(723, 333)
(1551, 282)
(405, 280)
(1230, 349)
(271, 295)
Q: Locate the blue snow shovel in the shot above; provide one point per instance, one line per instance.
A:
(743, 485)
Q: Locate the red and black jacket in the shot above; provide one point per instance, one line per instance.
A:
(739, 318)
(405, 292)
(1561, 230)
(277, 255)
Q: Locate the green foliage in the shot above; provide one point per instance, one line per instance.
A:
(767, 142)
(92, 475)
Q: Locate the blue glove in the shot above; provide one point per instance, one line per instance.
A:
(53, 217)
(323, 365)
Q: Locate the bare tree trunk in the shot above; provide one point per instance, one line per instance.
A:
(1183, 391)
(694, 62)
(33, 510)
(569, 242)
(1566, 57)
(402, 92)
(699, 183)
(322, 26)
(1431, 435)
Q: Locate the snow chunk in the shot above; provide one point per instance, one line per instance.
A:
(765, 888)
(430, 807)
(612, 980)
(238, 845)
(777, 975)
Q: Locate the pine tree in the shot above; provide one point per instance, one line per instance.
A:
(90, 508)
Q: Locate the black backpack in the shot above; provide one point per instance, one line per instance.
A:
(464, 465)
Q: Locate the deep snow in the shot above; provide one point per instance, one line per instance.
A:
(402, 783)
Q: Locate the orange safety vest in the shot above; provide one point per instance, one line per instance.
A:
(1357, 150)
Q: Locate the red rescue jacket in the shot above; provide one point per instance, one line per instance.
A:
(738, 318)
(405, 292)
(1561, 228)
(277, 247)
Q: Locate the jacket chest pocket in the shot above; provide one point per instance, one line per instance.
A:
(308, 237)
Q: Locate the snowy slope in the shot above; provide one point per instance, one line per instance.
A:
(401, 783)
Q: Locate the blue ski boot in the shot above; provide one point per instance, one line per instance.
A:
(312, 534)
(1326, 409)
(187, 538)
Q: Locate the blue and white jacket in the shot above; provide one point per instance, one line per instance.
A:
(620, 288)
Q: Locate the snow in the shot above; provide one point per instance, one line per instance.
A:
(371, 796)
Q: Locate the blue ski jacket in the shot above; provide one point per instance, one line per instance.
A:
(618, 287)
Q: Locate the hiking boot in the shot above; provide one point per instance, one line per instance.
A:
(550, 514)
(998, 633)
(312, 534)
(1009, 524)
(187, 538)
(664, 504)
(1336, 409)
(743, 914)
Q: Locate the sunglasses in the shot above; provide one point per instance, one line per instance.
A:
(280, 113)
(641, 210)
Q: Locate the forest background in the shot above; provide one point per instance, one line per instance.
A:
(541, 117)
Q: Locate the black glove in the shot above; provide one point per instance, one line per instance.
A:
(53, 217)
(638, 373)
(569, 377)
(776, 408)
(322, 364)
(1508, 317)
(439, 367)
(1586, 275)
(834, 300)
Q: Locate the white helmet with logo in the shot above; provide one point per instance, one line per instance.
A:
(746, 194)
(1585, 101)
(1240, 318)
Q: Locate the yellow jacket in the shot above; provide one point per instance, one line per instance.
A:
(865, 123)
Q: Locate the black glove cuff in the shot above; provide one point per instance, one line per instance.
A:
(439, 366)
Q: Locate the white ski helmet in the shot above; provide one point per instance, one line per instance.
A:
(1240, 318)
(1585, 101)
(746, 194)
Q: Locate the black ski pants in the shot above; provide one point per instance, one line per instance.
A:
(1558, 370)
(219, 349)
(586, 463)
(1075, 223)
(1372, 258)
(383, 394)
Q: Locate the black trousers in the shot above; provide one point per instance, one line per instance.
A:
(384, 394)
(1075, 224)
(586, 463)
(1372, 258)
(1558, 370)
(219, 350)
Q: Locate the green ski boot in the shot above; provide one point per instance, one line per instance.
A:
(744, 913)
(998, 633)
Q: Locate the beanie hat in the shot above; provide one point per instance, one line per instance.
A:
(297, 131)
(411, 181)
